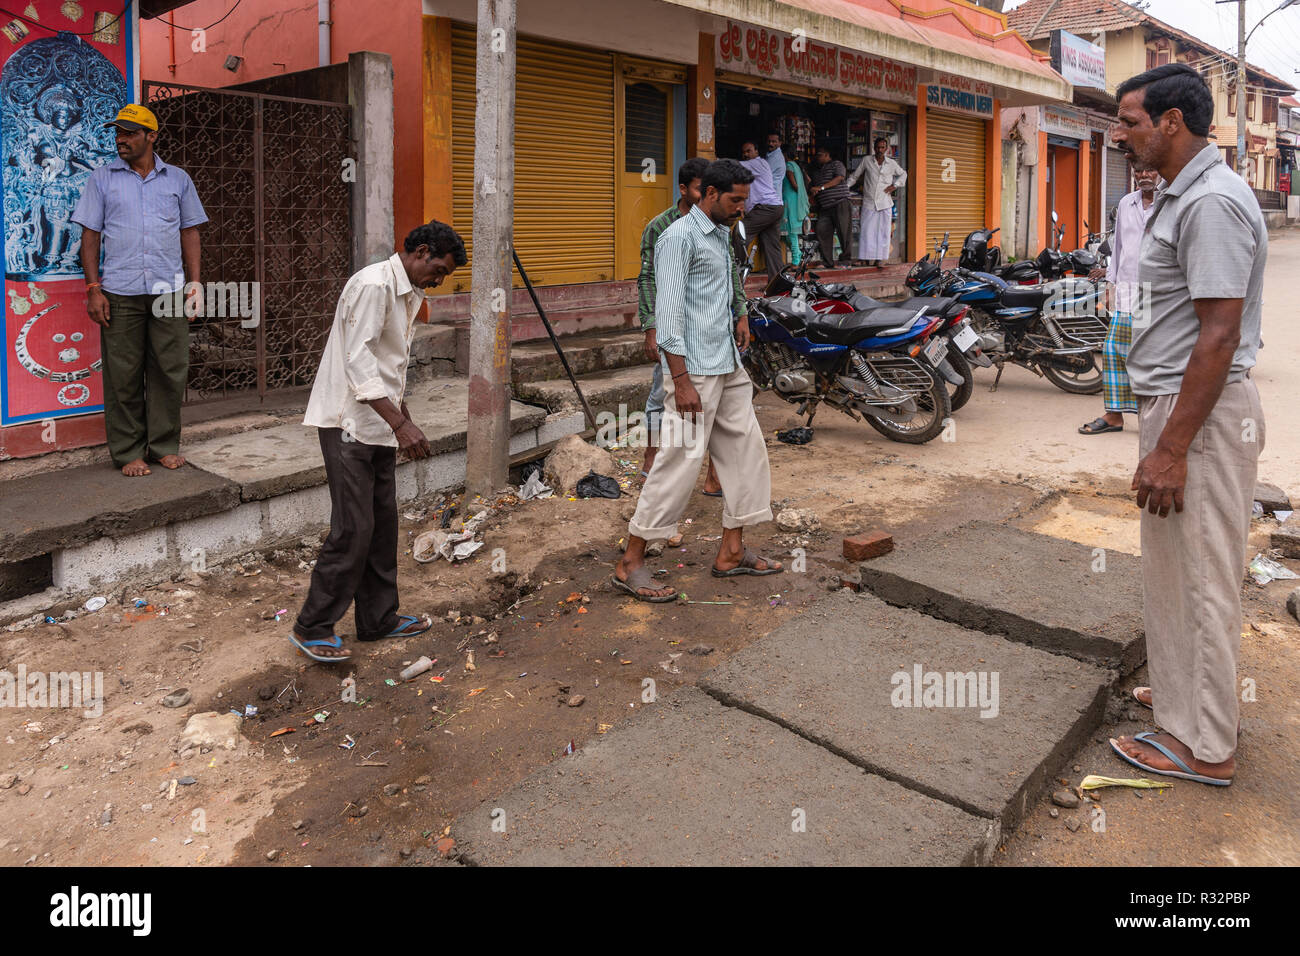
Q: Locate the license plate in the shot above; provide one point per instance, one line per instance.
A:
(965, 338)
(936, 349)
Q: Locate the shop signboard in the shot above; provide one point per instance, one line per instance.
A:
(1062, 121)
(960, 94)
(771, 54)
(1080, 62)
(66, 71)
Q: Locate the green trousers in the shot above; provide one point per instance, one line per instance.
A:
(146, 363)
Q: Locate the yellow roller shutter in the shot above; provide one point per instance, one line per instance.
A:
(564, 159)
(954, 177)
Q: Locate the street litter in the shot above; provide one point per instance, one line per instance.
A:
(598, 486)
(476, 691)
(1256, 510)
(534, 488)
(285, 730)
(348, 742)
(1094, 782)
(319, 718)
(390, 682)
(795, 436)
(430, 545)
(96, 603)
(670, 665)
(1281, 517)
(437, 680)
(249, 710)
(571, 749)
(1263, 570)
(418, 668)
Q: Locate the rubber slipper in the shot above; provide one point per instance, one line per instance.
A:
(401, 630)
(640, 578)
(1140, 700)
(1187, 774)
(1099, 426)
(746, 566)
(304, 647)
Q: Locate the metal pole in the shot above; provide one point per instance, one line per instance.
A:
(487, 459)
(1241, 88)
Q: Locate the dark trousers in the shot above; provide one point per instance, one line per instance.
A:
(765, 221)
(830, 222)
(146, 364)
(359, 558)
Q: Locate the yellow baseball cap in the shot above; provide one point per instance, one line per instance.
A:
(132, 117)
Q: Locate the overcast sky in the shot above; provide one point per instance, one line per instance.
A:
(1275, 46)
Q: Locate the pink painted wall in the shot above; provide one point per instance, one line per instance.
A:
(280, 36)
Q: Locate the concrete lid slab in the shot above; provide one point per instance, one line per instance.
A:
(829, 675)
(691, 782)
(276, 461)
(73, 506)
(1053, 594)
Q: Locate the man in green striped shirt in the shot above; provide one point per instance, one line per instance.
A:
(688, 188)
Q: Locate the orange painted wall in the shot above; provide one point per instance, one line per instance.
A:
(993, 170)
(916, 218)
(280, 36)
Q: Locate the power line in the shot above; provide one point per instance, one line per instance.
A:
(208, 27)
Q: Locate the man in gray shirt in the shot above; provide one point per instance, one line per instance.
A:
(1195, 334)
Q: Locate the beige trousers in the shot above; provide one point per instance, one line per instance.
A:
(730, 433)
(1192, 569)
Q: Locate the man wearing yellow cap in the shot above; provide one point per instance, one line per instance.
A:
(144, 216)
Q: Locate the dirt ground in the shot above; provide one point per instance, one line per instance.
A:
(382, 777)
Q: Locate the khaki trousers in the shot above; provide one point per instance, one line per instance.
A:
(1192, 569)
(731, 435)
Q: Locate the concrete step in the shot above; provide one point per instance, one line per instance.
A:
(688, 781)
(614, 390)
(835, 675)
(1052, 594)
(538, 361)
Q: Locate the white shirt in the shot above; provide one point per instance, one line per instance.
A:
(761, 190)
(1122, 270)
(776, 159)
(367, 353)
(876, 178)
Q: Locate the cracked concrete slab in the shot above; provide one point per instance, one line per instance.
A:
(850, 673)
(1052, 594)
(691, 782)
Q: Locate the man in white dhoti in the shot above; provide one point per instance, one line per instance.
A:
(880, 176)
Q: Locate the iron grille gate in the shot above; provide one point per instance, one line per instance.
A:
(270, 172)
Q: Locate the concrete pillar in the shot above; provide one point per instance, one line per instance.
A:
(916, 192)
(370, 93)
(701, 97)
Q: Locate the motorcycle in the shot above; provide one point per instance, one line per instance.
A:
(876, 364)
(1053, 329)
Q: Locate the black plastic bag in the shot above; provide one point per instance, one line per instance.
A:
(795, 436)
(598, 486)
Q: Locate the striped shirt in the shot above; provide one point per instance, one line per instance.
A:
(645, 282)
(141, 222)
(836, 194)
(693, 312)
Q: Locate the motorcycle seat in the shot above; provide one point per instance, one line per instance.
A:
(934, 305)
(851, 327)
(1032, 297)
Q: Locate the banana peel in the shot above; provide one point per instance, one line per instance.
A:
(1094, 782)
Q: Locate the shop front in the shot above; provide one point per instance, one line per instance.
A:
(814, 95)
(959, 113)
(1080, 171)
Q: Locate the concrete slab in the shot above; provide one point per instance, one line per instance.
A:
(690, 782)
(1055, 595)
(605, 391)
(537, 361)
(836, 674)
(76, 506)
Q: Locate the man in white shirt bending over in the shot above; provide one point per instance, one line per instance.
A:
(881, 176)
(356, 403)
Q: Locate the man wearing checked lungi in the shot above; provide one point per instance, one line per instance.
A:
(1131, 217)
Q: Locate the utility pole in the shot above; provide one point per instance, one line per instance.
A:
(487, 458)
(1241, 90)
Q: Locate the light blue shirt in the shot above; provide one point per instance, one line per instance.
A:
(776, 159)
(762, 192)
(693, 294)
(140, 222)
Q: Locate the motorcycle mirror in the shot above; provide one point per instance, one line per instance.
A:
(740, 228)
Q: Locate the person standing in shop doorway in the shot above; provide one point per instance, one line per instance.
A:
(832, 198)
(881, 177)
(765, 209)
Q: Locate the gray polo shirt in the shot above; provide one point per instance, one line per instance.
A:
(1206, 239)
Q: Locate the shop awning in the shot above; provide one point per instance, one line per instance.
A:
(1016, 80)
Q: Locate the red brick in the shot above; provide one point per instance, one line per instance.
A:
(860, 547)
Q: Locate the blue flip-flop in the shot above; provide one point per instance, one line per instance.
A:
(305, 647)
(1187, 774)
(400, 631)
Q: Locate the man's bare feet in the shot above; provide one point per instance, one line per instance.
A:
(674, 542)
(171, 461)
(633, 558)
(649, 460)
(1143, 696)
(1154, 759)
(711, 483)
(731, 553)
(136, 469)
